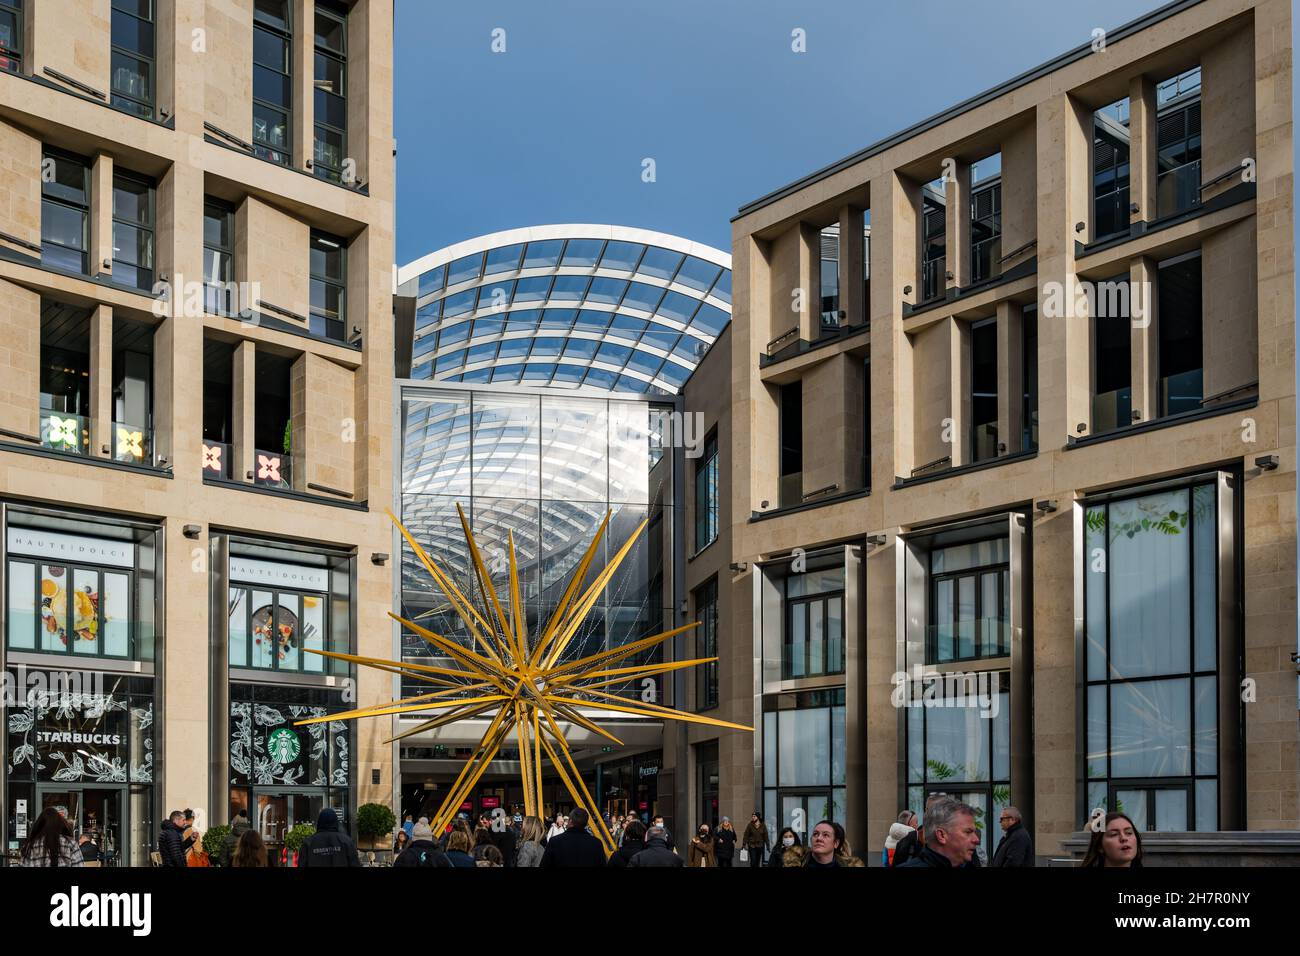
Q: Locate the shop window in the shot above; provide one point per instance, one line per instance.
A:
(813, 636)
(969, 602)
(1151, 625)
(278, 629)
(803, 760)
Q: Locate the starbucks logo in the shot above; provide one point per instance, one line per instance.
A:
(283, 745)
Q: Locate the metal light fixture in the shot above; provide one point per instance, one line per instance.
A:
(739, 567)
(192, 530)
(907, 290)
(1080, 226)
(379, 557)
(1046, 506)
(1266, 462)
(877, 540)
(1081, 427)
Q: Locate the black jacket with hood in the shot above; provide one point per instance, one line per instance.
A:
(231, 842)
(172, 845)
(328, 846)
(656, 853)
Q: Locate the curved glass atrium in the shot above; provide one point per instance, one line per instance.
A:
(626, 310)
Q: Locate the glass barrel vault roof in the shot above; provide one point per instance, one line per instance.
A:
(563, 306)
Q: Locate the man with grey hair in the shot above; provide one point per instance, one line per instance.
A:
(1015, 848)
(950, 835)
(656, 852)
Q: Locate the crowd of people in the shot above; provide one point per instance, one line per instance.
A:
(949, 837)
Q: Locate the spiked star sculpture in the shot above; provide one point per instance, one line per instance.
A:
(521, 679)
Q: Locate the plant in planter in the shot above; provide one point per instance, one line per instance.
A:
(299, 832)
(214, 841)
(374, 820)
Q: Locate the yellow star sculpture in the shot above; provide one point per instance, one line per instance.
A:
(521, 679)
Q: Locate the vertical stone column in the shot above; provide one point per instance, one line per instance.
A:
(1011, 384)
(101, 215)
(242, 390)
(1142, 148)
(101, 382)
(852, 291)
(20, 356)
(810, 281)
(957, 227)
(893, 266)
(1144, 341)
(959, 389)
(302, 55)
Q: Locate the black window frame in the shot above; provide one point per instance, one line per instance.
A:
(934, 233)
(319, 321)
(706, 644)
(707, 468)
(151, 228)
(1110, 199)
(977, 572)
(217, 298)
(804, 605)
(262, 148)
(339, 13)
(983, 329)
(984, 267)
(63, 201)
(11, 60)
(275, 592)
(129, 102)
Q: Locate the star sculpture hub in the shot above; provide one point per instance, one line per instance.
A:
(522, 680)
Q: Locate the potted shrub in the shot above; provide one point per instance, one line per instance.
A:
(294, 838)
(214, 842)
(375, 820)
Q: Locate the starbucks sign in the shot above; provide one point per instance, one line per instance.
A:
(283, 746)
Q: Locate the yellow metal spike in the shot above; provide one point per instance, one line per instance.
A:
(519, 619)
(575, 584)
(443, 580)
(644, 711)
(484, 578)
(616, 653)
(381, 711)
(441, 721)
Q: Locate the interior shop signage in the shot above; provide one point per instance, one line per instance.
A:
(275, 574)
(70, 547)
(72, 737)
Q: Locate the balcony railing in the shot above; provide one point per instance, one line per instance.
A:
(933, 278)
(1112, 410)
(985, 259)
(1110, 214)
(132, 444)
(790, 490)
(1182, 392)
(1178, 189)
(218, 459)
(65, 432)
(272, 469)
(966, 640)
(984, 442)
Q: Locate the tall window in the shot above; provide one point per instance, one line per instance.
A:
(1112, 346)
(984, 390)
(830, 277)
(133, 56)
(970, 597)
(65, 206)
(272, 80)
(791, 438)
(706, 494)
(218, 259)
(1029, 377)
(133, 229)
(331, 105)
(986, 218)
(934, 227)
(813, 639)
(1151, 623)
(1178, 143)
(328, 286)
(11, 35)
(803, 760)
(1178, 321)
(706, 645)
(1110, 169)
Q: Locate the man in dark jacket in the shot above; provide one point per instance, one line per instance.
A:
(328, 846)
(422, 851)
(575, 846)
(1015, 848)
(950, 836)
(238, 828)
(633, 843)
(656, 852)
(172, 845)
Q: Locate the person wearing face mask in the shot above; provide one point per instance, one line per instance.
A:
(701, 850)
(788, 838)
(1116, 842)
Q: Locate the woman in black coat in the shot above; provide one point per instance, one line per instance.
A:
(778, 848)
(633, 843)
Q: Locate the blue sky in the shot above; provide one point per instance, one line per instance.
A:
(556, 128)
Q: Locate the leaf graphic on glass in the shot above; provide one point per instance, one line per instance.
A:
(268, 468)
(130, 443)
(65, 432)
(212, 459)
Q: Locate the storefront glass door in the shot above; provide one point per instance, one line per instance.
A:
(95, 811)
(278, 812)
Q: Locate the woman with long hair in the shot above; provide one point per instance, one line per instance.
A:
(1115, 842)
(250, 850)
(530, 842)
(788, 839)
(51, 842)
